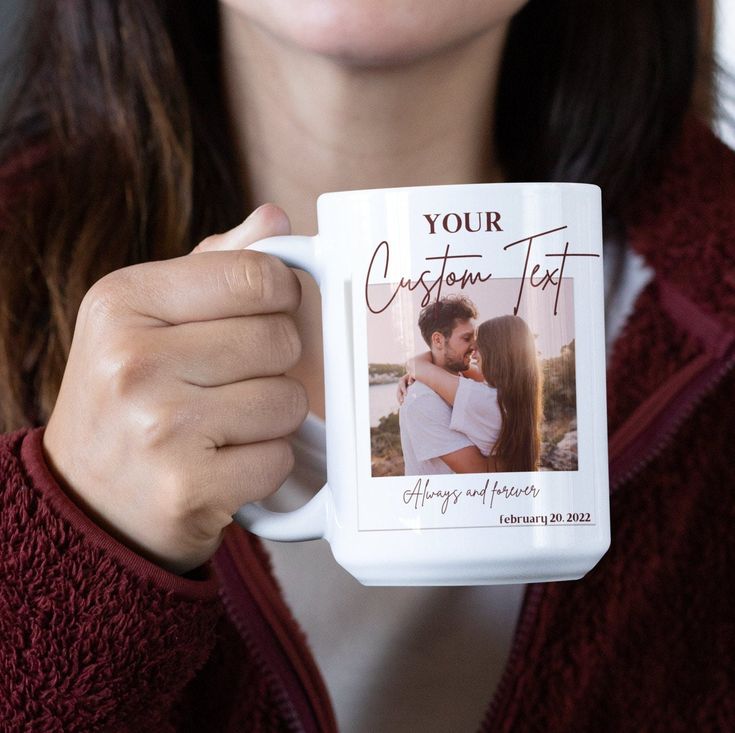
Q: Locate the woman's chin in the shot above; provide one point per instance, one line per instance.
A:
(374, 32)
(359, 48)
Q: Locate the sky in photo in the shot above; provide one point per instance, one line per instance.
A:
(393, 335)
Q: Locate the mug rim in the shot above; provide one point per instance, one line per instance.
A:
(457, 187)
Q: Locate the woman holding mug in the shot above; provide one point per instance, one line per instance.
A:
(151, 369)
(497, 404)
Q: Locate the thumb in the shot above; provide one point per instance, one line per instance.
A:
(267, 220)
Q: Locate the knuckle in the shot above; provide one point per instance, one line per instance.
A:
(282, 461)
(291, 292)
(255, 275)
(295, 403)
(101, 301)
(265, 279)
(159, 423)
(270, 466)
(287, 342)
(126, 367)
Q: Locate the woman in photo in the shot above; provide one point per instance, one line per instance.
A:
(497, 403)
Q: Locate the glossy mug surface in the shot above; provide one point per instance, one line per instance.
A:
(392, 514)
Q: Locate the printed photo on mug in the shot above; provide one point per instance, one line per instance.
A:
(464, 376)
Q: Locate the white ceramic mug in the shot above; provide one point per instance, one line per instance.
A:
(381, 256)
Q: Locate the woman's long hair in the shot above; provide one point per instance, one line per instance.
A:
(116, 146)
(510, 364)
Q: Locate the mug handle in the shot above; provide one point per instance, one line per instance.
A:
(310, 521)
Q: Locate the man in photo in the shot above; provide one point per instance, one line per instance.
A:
(429, 445)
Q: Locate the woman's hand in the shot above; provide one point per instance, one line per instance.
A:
(473, 372)
(173, 409)
(402, 389)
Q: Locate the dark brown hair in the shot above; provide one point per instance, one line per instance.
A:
(510, 364)
(120, 123)
(442, 316)
(594, 91)
(116, 147)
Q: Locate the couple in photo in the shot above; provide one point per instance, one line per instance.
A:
(461, 414)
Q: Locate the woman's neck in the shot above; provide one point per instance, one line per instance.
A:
(306, 124)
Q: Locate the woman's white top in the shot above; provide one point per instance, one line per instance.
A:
(476, 414)
(394, 659)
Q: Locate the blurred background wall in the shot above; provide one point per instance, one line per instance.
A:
(11, 20)
(724, 55)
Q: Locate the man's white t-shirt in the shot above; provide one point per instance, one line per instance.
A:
(476, 414)
(426, 433)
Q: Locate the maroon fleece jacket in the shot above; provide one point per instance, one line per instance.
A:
(95, 638)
